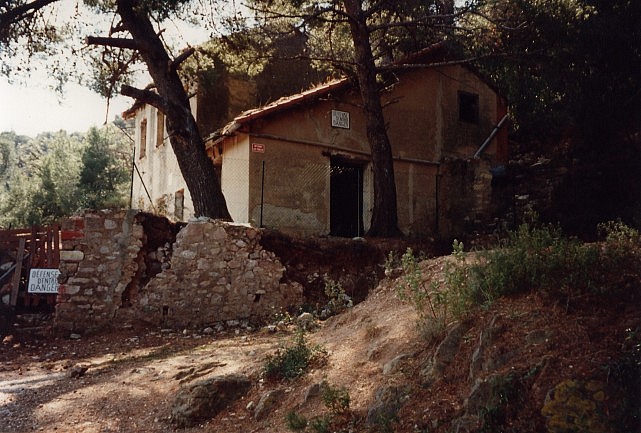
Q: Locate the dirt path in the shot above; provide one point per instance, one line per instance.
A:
(128, 384)
(131, 378)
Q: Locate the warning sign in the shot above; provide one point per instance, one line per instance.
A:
(43, 281)
(258, 148)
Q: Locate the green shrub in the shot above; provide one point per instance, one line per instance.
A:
(438, 302)
(293, 361)
(338, 301)
(335, 399)
(534, 257)
(295, 421)
(320, 424)
(540, 257)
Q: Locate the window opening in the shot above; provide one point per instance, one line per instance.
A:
(468, 107)
(179, 204)
(160, 128)
(143, 139)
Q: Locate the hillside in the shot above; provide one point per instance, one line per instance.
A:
(527, 363)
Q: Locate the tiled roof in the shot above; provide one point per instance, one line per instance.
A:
(434, 53)
(284, 103)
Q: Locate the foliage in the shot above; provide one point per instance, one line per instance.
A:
(534, 257)
(623, 373)
(132, 38)
(557, 63)
(336, 400)
(433, 301)
(539, 257)
(338, 301)
(56, 174)
(295, 421)
(104, 176)
(320, 424)
(43, 188)
(293, 361)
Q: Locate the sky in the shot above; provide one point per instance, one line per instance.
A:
(32, 108)
(35, 109)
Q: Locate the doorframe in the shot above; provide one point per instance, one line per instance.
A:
(360, 165)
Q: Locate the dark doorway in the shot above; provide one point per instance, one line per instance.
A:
(346, 199)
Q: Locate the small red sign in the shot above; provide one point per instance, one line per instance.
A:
(258, 148)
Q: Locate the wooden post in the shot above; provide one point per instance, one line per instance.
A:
(56, 246)
(49, 246)
(33, 247)
(15, 282)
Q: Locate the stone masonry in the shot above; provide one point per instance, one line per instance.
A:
(217, 272)
(97, 261)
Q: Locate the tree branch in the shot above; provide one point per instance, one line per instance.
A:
(21, 12)
(407, 66)
(182, 57)
(146, 96)
(113, 42)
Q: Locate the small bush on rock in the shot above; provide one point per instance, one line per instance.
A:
(336, 400)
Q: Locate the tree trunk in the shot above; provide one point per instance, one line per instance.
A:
(384, 221)
(196, 167)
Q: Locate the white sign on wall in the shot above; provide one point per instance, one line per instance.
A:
(340, 119)
(43, 281)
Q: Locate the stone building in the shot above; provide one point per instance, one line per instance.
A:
(219, 94)
(302, 164)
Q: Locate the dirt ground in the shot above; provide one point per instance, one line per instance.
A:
(132, 377)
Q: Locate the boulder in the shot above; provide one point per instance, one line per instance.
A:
(306, 322)
(384, 410)
(267, 402)
(202, 400)
(445, 353)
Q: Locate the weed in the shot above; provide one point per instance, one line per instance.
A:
(293, 361)
(542, 258)
(391, 262)
(295, 421)
(320, 424)
(438, 302)
(413, 289)
(335, 399)
(532, 257)
(338, 301)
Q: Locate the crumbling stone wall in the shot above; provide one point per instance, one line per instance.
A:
(117, 270)
(219, 272)
(97, 262)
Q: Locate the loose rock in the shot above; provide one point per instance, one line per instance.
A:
(204, 399)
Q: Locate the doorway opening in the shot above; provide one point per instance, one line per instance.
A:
(346, 198)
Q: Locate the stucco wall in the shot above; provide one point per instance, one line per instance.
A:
(422, 118)
(295, 187)
(159, 171)
(234, 177)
